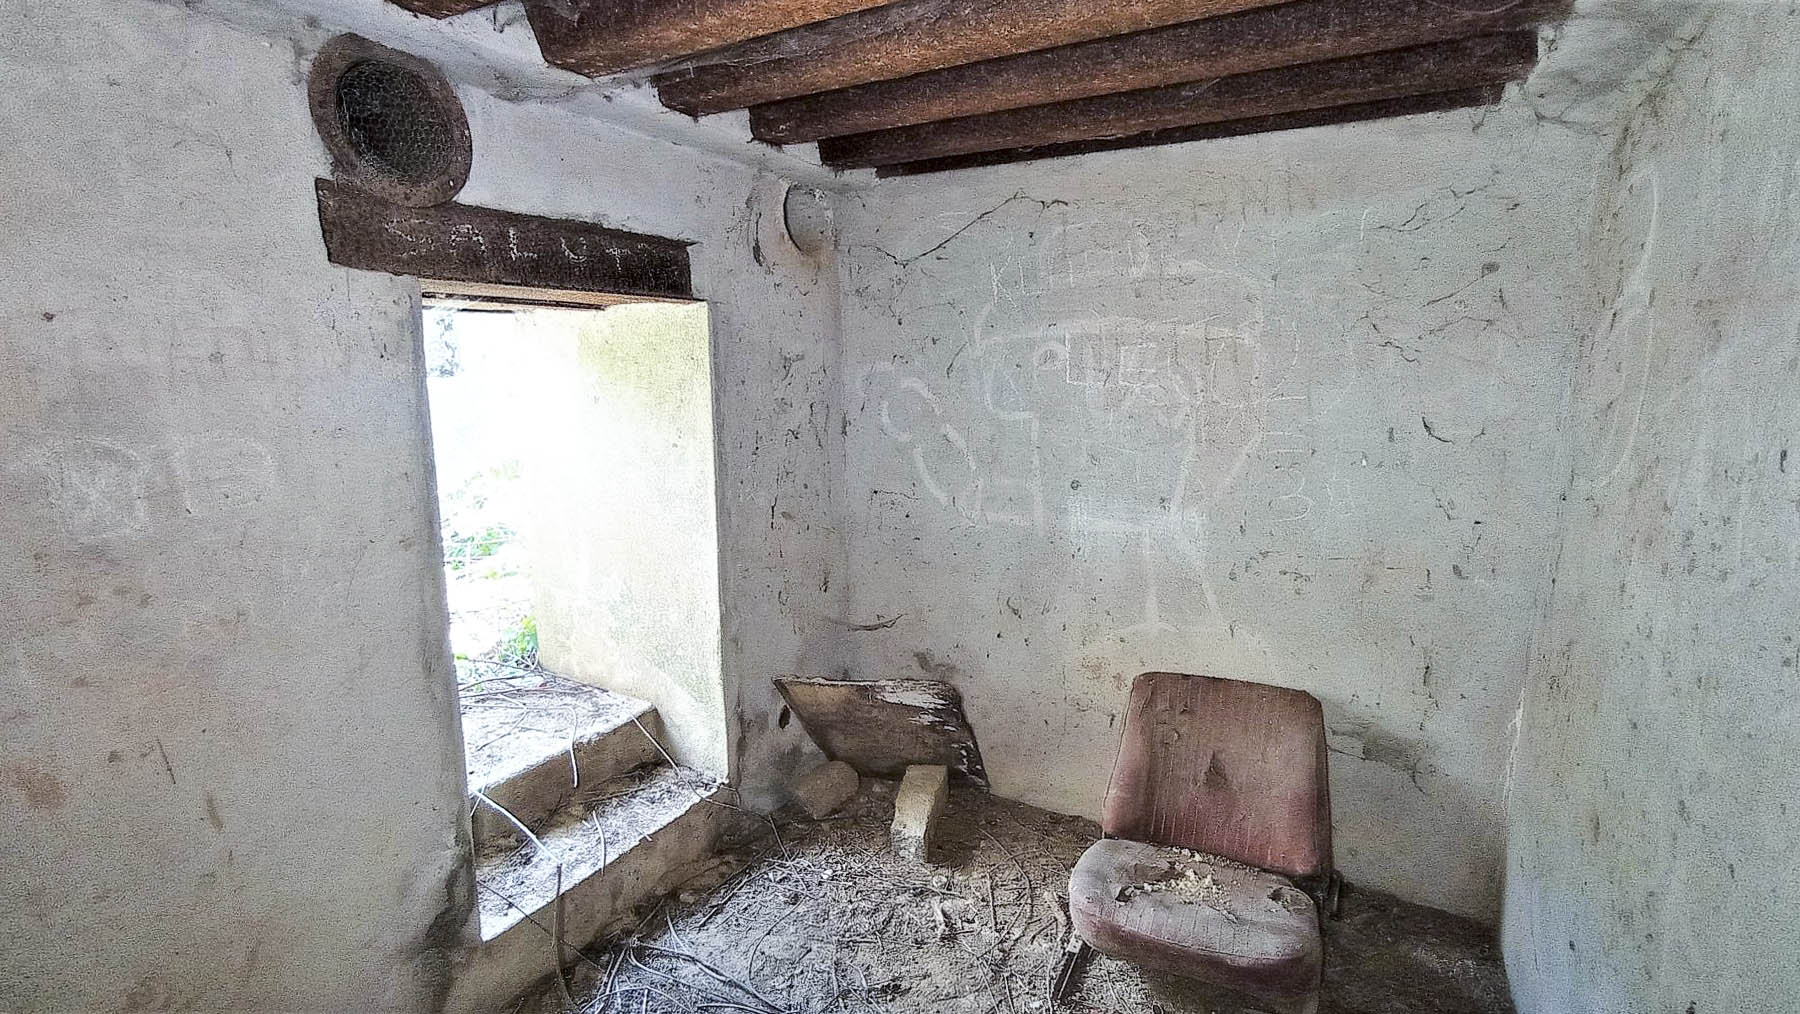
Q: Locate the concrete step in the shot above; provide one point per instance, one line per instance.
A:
(616, 842)
(534, 740)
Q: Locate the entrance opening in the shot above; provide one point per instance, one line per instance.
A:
(574, 459)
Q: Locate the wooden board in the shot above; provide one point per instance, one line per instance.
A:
(1438, 102)
(1307, 31)
(608, 36)
(908, 37)
(1448, 66)
(460, 243)
(881, 727)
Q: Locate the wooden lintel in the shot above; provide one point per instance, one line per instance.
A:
(1439, 102)
(1466, 63)
(908, 37)
(460, 243)
(608, 36)
(1304, 32)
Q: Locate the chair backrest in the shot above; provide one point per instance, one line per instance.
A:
(1227, 767)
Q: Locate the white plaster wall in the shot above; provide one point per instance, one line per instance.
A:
(621, 531)
(1276, 408)
(1652, 846)
(230, 738)
(229, 753)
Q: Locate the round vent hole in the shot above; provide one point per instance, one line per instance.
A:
(392, 122)
(391, 118)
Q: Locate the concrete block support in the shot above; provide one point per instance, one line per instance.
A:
(923, 793)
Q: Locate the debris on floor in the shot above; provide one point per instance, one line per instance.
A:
(595, 825)
(1193, 876)
(511, 717)
(822, 916)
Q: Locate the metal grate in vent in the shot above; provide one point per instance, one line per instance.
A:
(393, 124)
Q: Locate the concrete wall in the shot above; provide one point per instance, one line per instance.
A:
(1278, 408)
(1652, 845)
(230, 741)
(230, 748)
(622, 532)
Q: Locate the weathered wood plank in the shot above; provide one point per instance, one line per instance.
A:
(442, 8)
(909, 37)
(1308, 31)
(459, 243)
(1465, 98)
(608, 36)
(1466, 63)
(882, 727)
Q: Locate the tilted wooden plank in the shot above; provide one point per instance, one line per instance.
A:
(608, 36)
(882, 727)
(459, 243)
(1446, 66)
(909, 37)
(442, 8)
(1304, 32)
(1465, 98)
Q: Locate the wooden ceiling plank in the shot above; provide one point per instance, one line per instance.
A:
(608, 36)
(1465, 63)
(1304, 32)
(442, 8)
(1436, 102)
(909, 37)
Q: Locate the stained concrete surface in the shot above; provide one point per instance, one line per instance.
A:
(511, 721)
(622, 527)
(222, 634)
(828, 917)
(221, 626)
(1652, 853)
(595, 825)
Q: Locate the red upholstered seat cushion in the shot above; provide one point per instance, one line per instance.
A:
(1224, 767)
(1200, 916)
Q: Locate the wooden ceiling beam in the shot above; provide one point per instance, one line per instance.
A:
(1464, 98)
(909, 37)
(599, 37)
(442, 8)
(1307, 31)
(1446, 66)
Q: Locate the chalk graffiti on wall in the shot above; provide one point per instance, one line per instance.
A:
(1141, 391)
(101, 490)
(1625, 343)
(1132, 433)
(95, 487)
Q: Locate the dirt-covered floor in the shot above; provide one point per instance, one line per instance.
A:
(825, 918)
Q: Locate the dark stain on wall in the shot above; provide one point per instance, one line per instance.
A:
(935, 669)
(42, 790)
(435, 953)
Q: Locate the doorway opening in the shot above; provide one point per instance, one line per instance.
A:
(574, 457)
